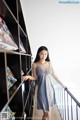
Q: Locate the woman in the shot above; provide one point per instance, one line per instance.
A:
(42, 71)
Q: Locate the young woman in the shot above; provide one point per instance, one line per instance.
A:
(43, 72)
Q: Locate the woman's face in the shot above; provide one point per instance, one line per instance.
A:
(43, 54)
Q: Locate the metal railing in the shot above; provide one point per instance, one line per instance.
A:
(68, 105)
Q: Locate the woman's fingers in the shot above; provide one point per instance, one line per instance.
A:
(24, 77)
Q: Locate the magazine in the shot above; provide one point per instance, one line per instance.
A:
(6, 39)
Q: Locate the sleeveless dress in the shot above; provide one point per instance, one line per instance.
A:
(45, 92)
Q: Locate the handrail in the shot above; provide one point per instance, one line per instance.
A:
(61, 84)
(78, 103)
(65, 88)
(68, 105)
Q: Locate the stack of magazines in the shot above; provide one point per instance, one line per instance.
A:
(6, 39)
(7, 114)
(11, 79)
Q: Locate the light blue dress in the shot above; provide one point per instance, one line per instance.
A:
(45, 93)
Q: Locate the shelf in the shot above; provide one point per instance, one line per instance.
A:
(14, 63)
(12, 7)
(3, 86)
(6, 13)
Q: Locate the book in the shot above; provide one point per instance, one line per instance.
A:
(11, 79)
(6, 38)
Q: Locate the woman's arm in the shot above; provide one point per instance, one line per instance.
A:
(33, 76)
(56, 78)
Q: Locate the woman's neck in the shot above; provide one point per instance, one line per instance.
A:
(42, 61)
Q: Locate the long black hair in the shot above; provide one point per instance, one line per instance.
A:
(39, 50)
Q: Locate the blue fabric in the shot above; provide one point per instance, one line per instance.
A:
(45, 93)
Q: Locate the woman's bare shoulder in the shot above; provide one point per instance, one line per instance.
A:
(34, 65)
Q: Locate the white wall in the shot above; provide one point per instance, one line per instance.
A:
(56, 26)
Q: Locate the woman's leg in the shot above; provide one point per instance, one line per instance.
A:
(47, 115)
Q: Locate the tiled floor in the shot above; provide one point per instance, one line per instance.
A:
(37, 114)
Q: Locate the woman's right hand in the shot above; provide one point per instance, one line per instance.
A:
(24, 78)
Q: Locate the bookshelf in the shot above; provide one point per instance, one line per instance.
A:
(15, 96)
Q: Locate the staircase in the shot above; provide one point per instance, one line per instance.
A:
(67, 107)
